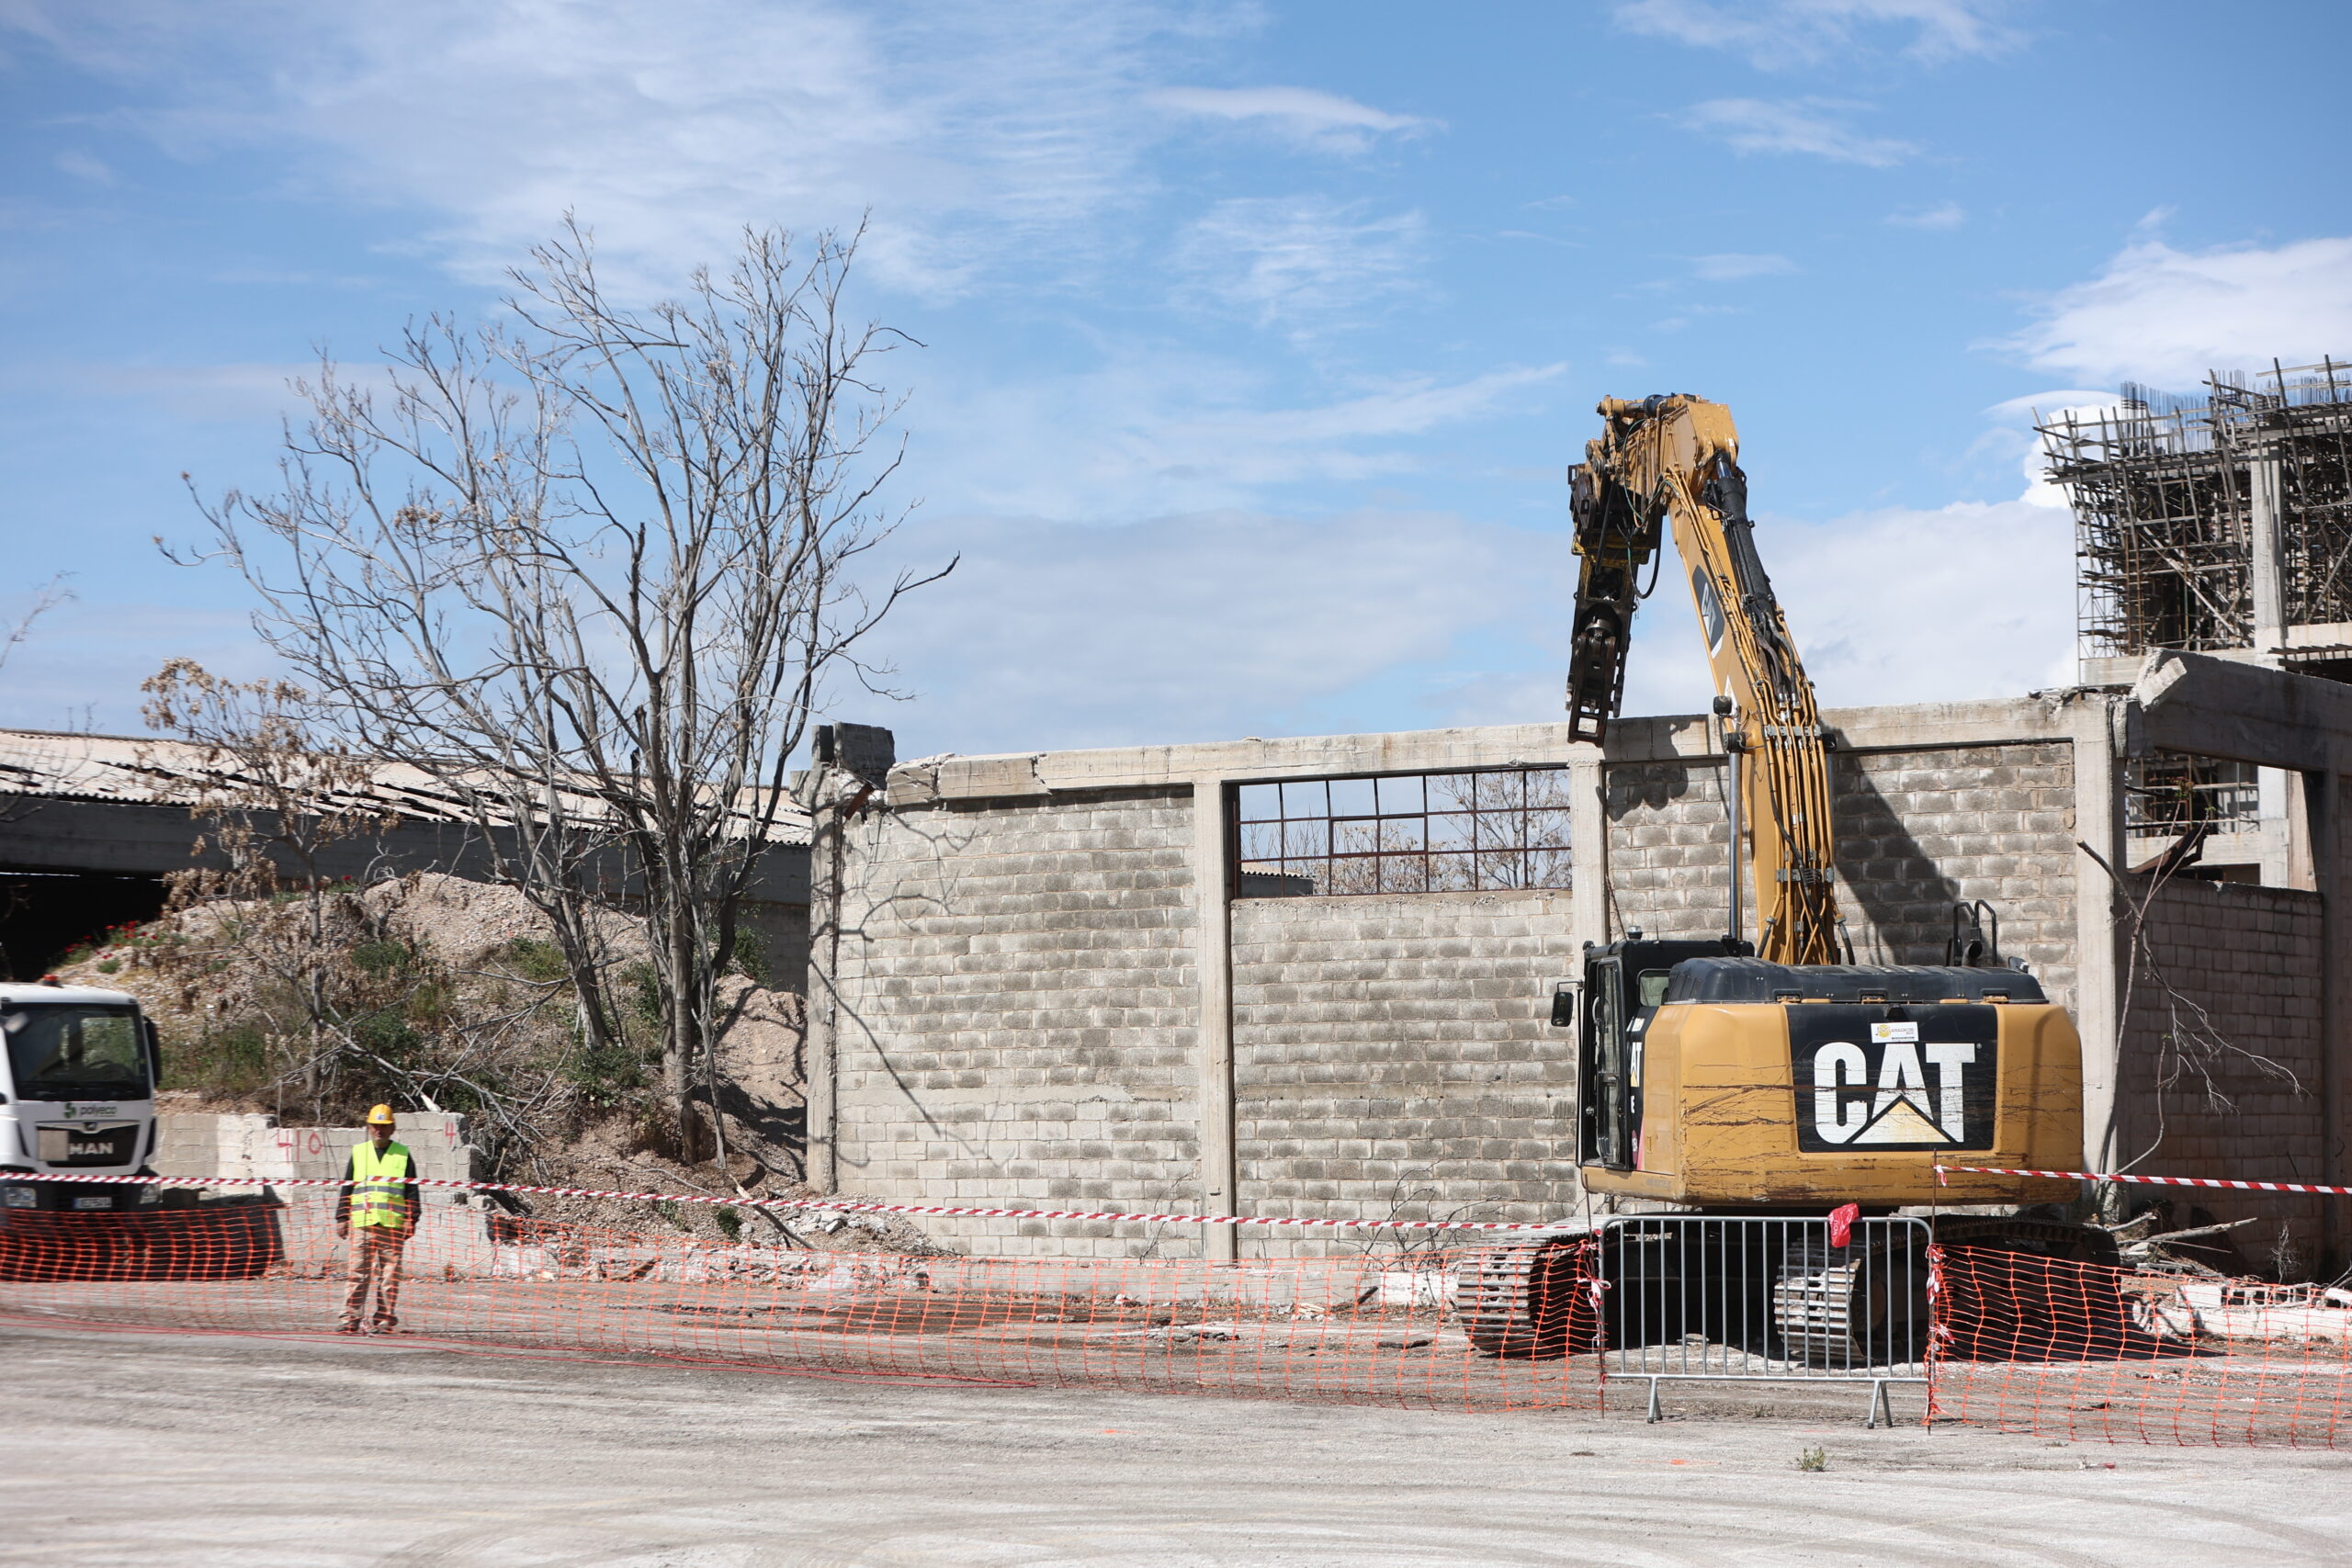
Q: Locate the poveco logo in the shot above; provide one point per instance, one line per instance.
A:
(1894, 1085)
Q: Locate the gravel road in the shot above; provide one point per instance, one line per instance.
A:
(170, 1449)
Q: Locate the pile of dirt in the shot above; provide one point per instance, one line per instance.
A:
(458, 979)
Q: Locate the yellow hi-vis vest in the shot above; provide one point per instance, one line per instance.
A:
(378, 1195)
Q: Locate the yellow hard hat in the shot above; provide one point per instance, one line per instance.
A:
(381, 1117)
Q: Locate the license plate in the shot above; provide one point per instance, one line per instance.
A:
(99, 1201)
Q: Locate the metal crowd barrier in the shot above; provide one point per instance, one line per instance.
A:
(1691, 1299)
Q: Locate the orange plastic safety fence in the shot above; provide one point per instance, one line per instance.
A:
(2026, 1343)
(1383, 1326)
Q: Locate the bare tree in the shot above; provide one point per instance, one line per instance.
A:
(591, 571)
(47, 597)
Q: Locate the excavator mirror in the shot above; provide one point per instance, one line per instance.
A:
(1564, 1004)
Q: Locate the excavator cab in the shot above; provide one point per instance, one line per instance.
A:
(1624, 984)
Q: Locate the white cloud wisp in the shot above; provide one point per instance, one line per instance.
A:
(1300, 262)
(1319, 119)
(1774, 34)
(1806, 126)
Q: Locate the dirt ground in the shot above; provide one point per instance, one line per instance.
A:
(169, 1449)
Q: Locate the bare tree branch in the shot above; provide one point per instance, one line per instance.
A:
(591, 572)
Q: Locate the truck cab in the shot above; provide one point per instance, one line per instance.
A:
(78, 1096)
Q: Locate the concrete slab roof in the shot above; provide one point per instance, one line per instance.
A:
(155, 770)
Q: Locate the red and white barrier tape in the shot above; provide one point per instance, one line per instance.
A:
(812, 1205)
(2155, 1180)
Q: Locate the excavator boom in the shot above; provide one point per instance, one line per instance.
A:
(1673, 461)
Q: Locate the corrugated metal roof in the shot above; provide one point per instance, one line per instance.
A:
(155, 770)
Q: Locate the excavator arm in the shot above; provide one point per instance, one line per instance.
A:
(1674, 461)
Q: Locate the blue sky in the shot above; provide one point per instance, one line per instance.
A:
(1257, 336)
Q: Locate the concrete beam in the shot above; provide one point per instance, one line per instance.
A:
(1034, 774)
(1175, 767)
(2223, 708)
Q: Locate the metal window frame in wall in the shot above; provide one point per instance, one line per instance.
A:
(1367, 834)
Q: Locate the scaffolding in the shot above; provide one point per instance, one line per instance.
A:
(2177, 499)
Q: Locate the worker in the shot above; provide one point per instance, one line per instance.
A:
(379, 1202)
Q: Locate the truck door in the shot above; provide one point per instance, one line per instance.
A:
(1606, 1085)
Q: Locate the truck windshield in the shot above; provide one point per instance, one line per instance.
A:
(63, 1051)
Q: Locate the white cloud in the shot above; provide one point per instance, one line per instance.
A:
(1322, 119)
(979, 136)
(1214, 624)
(1778, 33)
(2167, 317)
(1194, 628)
(1300, 262)
(1153, 434)
(1894, 605)
(1943, 215)
(1806, 126)
(1730, 266)
(2014, 433)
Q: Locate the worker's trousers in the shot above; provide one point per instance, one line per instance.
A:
(374, 1260)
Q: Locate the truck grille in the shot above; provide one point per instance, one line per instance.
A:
(64, 1146)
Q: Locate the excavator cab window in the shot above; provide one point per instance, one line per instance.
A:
(1607, 1089)
(1651, 988)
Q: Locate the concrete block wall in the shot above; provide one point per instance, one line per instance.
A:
(1669, 862)
(1031, 1017)
(208, 1143)
(1393, 1057)
(1016, 1020)
(2228, 973)
(1917, 830)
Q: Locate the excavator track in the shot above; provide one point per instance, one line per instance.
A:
(1868, 1306)
(1852, 1306)
(1527, 1299)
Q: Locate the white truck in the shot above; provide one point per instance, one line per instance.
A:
(79, 1097)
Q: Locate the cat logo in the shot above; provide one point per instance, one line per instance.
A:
(1892, 1084)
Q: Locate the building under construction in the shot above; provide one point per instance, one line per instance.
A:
(2217, 523)
(2220, 524)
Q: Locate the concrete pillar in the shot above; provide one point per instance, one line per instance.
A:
(2266, 574)
(2098, 827)
(1212, 892)
(2285, 860)
(1588, 844)
(824, 959)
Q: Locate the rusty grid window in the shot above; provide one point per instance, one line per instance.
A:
(1403, 833)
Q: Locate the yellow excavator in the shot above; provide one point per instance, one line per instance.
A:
(1717, 1077)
